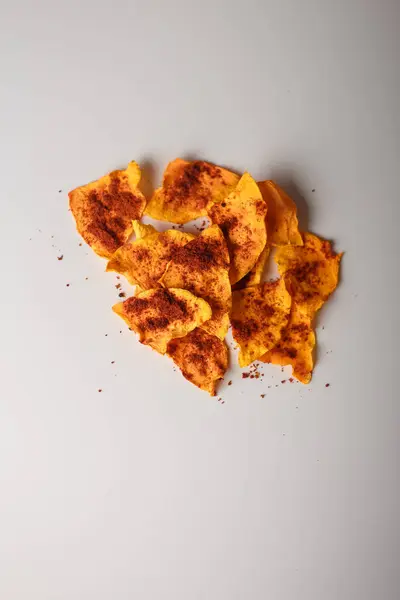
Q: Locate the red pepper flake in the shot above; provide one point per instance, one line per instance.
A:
(112, 362)
(230, 382)
(262, 395)
(291, 379)
(327, 384)
(80, 244)
(245, 375)
(67, 284)
(118, 286)
(122, 294)
(99, 390)
(283, 381)
(60, 257)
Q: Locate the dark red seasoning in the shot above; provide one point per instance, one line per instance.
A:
(230, 382)
(112, 362)
(283, 381)
(327, 384)
(67, 284)
(99, 390)
(262, 395)
(122, 294)
(245, 375)
(60, 257)
(118, 286)
(291, 379)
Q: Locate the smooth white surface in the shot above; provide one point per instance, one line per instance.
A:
(151, 490)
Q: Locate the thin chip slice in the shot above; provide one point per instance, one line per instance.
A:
(296, 346)
(259, 315)
(310, 272)
(254, 276)
(241, 216)
(282, 224)
(201, 266)
(187, 189)
(144, 260)
(202, 358)
(104, 209)
(161, 315)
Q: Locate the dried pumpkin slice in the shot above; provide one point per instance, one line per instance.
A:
(187, 189)
(161, 315)
(104, 209)
(241, 216)
(202, 358)
(259, 316)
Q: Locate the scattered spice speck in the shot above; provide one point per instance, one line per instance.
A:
(313, 190)
(122, 294)
(230, 382)
(118, 286)
(283, 381)
(60, 257)
(112, 362)
(291, 379)
(99, 390)
(327, 385)
(245, 375)
(262, 395)
(67, 284)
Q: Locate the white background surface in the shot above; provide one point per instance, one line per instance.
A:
(150, 489)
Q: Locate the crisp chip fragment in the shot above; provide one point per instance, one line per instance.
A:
(202, 358)
(254, 276)
(187, 189)
(201, 266)
(310, 272)
(241, 216)
(282, 223)
(295, 347)
(161, 315)
(259, 315)
(144, 260)
(104, 209)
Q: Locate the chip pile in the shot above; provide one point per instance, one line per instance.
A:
(190, 289)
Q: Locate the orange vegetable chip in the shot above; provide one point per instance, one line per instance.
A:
(241, 216)
(104, 209)
(202, 358)
(161, 315)
(254, 276)
(201, 266)
(310, 272)
(295, 347)
(144, 261)
(187, 189)
(259, 315)
(282, 224)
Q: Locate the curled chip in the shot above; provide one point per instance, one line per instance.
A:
(104, 209)
(259, 315)
(201, 266)
(241, 216)
(187, 189)
(202, 358)
(144, 261)
(310, 272)
(295, 346)
(254, 276)
(161, 315)
(282, 224)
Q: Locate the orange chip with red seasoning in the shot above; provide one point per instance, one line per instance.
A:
(282, 224)
(202, 358)
(241, 217)
(161, 315)
(311, 272)
(104, 209)
(201, 266)
(295, 347)
(187, 189)
(144, 260)
(259, 316)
